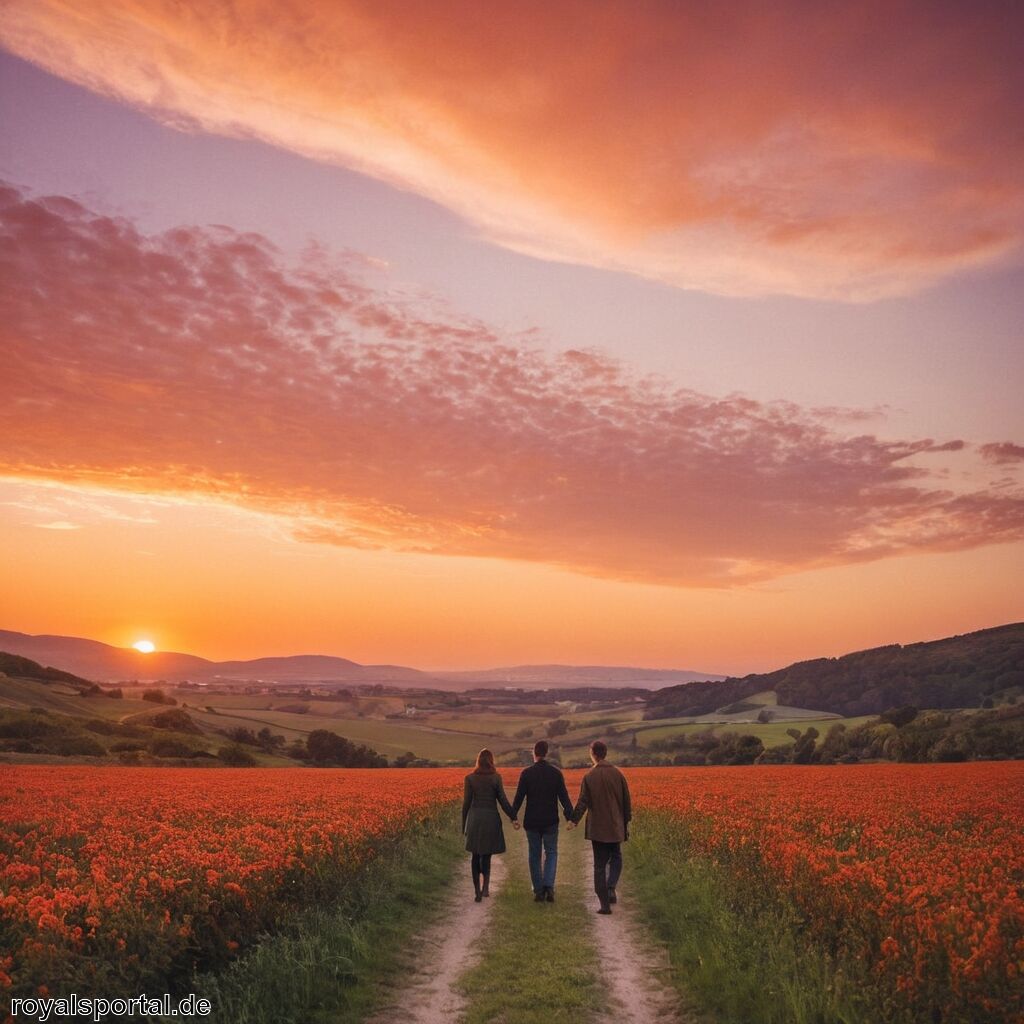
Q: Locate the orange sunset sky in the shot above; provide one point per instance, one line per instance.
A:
(459, 334)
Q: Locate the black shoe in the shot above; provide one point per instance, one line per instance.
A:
(612, 898)
(538, 896)
(478, 898)
(549, 895)
(605, 910)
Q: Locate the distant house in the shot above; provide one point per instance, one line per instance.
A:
(410, 710)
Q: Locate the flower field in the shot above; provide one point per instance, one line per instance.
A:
(113, 878)
(909, 875)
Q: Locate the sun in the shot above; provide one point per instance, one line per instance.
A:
(144, 646)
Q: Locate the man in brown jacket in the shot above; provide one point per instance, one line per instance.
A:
(604, 798)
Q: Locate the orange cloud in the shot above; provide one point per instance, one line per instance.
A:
(198, 361)
(801, 148)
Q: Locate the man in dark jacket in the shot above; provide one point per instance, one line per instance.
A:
(604, 798)
(543, 788)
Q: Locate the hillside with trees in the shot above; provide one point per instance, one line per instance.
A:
(958, 672)
(24, 668)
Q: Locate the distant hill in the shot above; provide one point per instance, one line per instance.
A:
(958, 671)
(576, 675)
(105, 663)
(317, 666)
(98, 661)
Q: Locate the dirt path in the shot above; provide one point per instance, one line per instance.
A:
(633, 968)
(440, 955)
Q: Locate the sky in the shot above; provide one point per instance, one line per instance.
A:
(428, 334)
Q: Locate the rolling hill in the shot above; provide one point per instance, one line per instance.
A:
(955, 672)
(104, 663)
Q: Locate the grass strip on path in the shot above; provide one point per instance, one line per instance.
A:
(332, 962)
(540, 963)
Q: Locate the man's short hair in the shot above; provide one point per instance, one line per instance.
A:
(540, 748)
(599, 750)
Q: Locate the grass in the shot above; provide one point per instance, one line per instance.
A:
(736, 951)
(387, 737)
(488, 724)
(332, 963)
(771, 734)
(542, 962)
(65, 700)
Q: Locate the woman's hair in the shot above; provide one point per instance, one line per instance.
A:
(485, 763)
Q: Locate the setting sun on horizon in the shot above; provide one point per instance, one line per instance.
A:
(144, 646)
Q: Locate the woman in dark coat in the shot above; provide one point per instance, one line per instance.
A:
(481, 823)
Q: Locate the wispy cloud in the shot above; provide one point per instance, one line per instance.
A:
(843, 151)
(60, 524)
(47, 500)
(200, 362)
(1003, 452)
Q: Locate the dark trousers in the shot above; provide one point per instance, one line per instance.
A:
(543, 876)
(607, 868)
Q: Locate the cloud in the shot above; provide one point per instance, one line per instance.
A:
(199, 362)
(60, 524)
(836, 151)
(1002, 452)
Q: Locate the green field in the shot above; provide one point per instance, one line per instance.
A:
(435, 730)
(771, 733)
(387, 736)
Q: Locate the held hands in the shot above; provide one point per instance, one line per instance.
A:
(570, 826)
(516, 825)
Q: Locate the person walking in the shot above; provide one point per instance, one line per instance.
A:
(483, 792)
(542, 786)
(604, 799)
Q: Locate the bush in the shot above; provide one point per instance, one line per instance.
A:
(166, 746)
(176, 720)
(157, 697)
(269, 741)
(28, 728)
(78, 746)
(241, 735)
(776, 755)
(236, 756)
(328, 748)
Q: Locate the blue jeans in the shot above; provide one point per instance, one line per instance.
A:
(548, 839)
